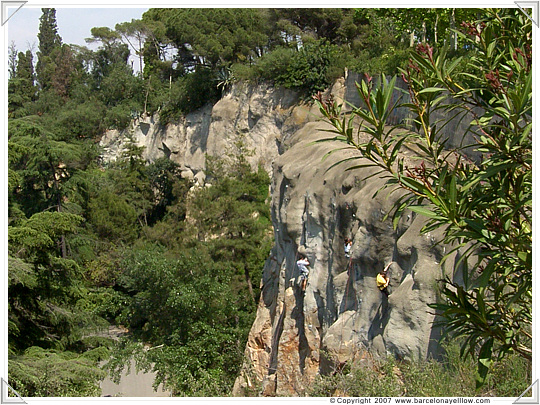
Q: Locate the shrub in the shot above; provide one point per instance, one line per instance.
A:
(112, 217)
(41, 372)
(81, 121)
(275, 64)
(451, 377)
(189, 93)
(308, 69)
(388, 63)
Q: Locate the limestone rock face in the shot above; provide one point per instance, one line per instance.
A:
(342, 313)
(315, 205)
(262, 117)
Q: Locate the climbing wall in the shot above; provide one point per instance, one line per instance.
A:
(342, 315)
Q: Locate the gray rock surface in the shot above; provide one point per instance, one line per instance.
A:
(314, 205)
(342, 313)
(262, 117)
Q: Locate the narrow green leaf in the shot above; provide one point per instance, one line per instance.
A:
(422, 210)
(430, 90)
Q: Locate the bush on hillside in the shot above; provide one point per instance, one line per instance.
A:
(189, 93)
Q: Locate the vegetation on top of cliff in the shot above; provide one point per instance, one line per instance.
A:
(184, 54)
(483, 206)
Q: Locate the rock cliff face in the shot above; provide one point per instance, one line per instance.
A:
(263, 117)
(342, 315)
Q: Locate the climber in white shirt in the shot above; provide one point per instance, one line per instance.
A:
(302, 264)
(347, 247)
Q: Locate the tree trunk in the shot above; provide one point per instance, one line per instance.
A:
(58, 207)
(250, 287)
(146, 97)
(435, 28)
(453, 43)
(140, 58)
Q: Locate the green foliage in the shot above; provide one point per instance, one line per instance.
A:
(49, 41)
(110, 55)
(103, 303)
(388, 61)
(452, 376)
(49, 373)
(189, 93)
(212, 36)
(164, 177)
(376, 380)
(484, 208)
(66, 71)
(308, 69)
(21, 87)
(273, 64)
(235, 208)
(333, 24)
(21, 273)
(40, 231)
(120, 86)
(48, 32)
(186, 305)
(81, 120)
(43, 288)
(194, 300)
(42, 165)
(113, 217)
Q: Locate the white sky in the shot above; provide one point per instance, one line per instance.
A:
(74, 24)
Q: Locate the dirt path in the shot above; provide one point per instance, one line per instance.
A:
(133, 385)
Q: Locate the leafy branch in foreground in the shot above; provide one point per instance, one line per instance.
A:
(480, 194)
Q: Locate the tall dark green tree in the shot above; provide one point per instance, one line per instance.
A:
(49, 40)
(21, 87)
(48, 36)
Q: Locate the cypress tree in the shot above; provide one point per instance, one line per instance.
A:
(21, 87)
(48, 36)
(12, 59)
(49, 40)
